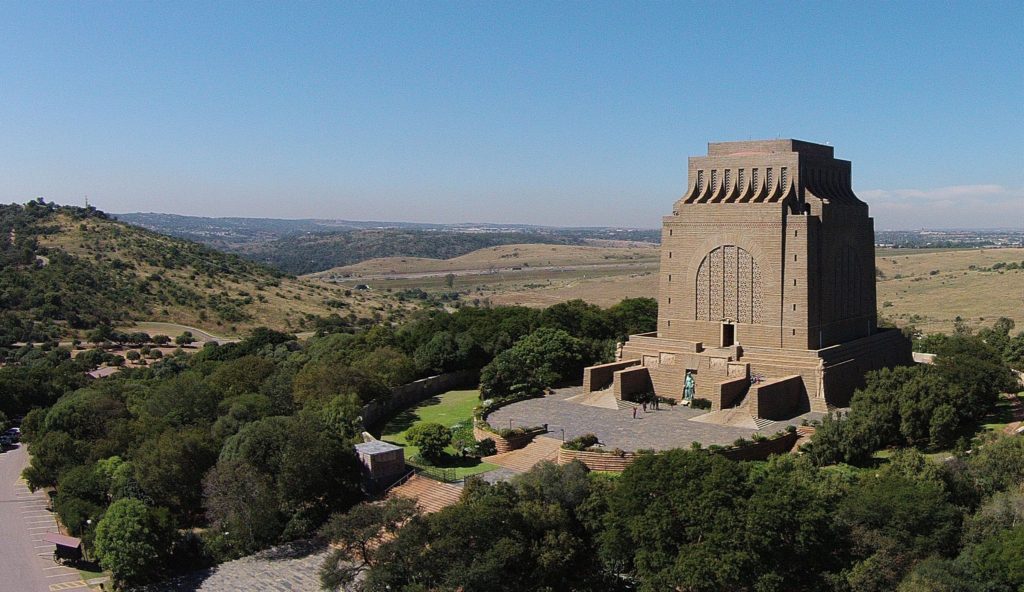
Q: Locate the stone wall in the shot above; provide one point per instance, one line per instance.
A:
(597, 461)
(728, 392)
(778, 399)
(607, 461)
(762, 450)
(407, 395)
(598, 377)
(503, 444)
(630, 382)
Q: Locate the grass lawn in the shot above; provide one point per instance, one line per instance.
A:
(1002, 414)
(446, 409)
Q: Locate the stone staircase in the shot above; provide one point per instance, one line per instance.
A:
(542, 448)
(620, 404)
(429, 495)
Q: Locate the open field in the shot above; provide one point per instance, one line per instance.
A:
(492, 259)
(928, 288)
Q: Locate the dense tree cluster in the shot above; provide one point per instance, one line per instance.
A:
(248, 443)
(694, 522)
(926, 406)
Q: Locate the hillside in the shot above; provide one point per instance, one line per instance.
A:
(68, 269)
(514, 256)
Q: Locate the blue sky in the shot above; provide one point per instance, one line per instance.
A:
(564, 113)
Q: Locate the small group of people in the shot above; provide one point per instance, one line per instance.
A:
(648, 400)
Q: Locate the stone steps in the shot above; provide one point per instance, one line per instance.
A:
(524, 459)
(429, 495)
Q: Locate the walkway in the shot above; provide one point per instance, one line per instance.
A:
(662, 429)
(524, 459)
(26, 561)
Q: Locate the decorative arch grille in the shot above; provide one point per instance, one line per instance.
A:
(728, 286)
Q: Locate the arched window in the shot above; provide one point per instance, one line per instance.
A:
(728, 281)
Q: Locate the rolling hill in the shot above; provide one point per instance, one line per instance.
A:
(68, 269)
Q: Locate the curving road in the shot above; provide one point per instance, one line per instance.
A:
(26, 561)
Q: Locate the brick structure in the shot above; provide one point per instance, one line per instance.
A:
(767, 271)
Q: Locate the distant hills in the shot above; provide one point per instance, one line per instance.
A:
(67, 269)
(308, 246)
(313, 245)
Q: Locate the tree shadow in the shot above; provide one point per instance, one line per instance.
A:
(404, 419)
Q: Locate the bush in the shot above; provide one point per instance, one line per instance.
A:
(486, 447)
(431, 438)
(581, 442)
(699, 403)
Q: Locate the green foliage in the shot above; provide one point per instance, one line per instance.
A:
(923, 405)
(581, 442)
(533, 363)
(240, 503)
(131, 542)
(431, 438)
(357, 536)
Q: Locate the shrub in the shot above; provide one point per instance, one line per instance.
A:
(699, 403)
(431, 438)
(581, 442)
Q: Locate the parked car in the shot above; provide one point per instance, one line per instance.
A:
(14, 434)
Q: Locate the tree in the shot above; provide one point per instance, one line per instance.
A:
(170, 468)
(185, 338)
(101, 334)
(431, 438)
(240, 503)
(534, 362)
(449, 280)
(357, 536)
(130, 542)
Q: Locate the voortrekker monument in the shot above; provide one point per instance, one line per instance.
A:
(767, 288)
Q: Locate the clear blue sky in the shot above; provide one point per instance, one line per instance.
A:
(565, 113)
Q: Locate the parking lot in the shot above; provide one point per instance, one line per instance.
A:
(26, 560)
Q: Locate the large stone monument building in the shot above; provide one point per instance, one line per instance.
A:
(767, 287)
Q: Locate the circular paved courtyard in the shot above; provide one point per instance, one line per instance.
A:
(661, 429)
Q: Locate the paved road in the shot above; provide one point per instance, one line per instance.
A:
(26, 561)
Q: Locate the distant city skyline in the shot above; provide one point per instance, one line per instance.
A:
(556, 114)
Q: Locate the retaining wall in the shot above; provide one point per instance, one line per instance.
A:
(407, 395)
(503, 444)
(606, 461)
(598, 377)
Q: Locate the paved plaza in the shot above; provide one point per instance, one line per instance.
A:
(662, 429)
(289, 568)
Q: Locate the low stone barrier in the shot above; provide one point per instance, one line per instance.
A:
(617, 462)
(507, 443)
(597, 461)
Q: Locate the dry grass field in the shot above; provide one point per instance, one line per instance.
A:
(280, 303)
(501, 258)
(926, 288)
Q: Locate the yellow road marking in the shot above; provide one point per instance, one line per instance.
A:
(67, 585)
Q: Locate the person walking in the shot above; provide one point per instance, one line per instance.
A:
(634, 413)
(645, 406)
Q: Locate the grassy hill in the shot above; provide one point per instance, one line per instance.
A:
(67, 269)
(308, 253)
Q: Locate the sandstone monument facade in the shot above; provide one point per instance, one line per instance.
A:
(767, 287)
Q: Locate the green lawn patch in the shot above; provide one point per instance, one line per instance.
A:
(447, 409)
(1002, 413)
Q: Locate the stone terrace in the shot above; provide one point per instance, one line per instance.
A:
(664, 429)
